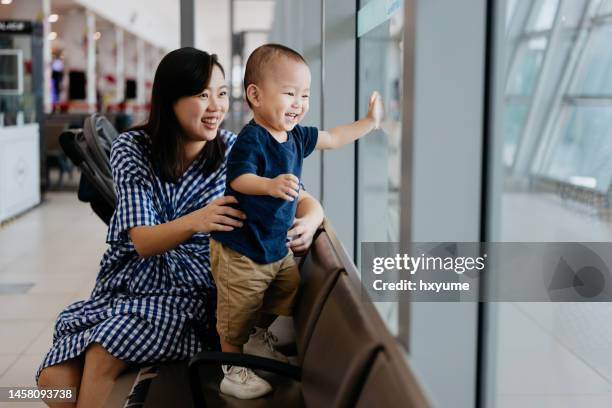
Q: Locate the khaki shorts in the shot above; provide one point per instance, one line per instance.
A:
(245, 289)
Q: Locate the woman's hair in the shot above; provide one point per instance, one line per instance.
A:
(182, 72)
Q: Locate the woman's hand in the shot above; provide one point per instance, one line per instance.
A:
(150, 240)
(301, 233)
(216, 216)
(309, 215)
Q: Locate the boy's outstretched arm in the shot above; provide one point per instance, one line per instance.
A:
(285, 186)
(344, 134)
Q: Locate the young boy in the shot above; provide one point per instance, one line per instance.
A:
(255, 273)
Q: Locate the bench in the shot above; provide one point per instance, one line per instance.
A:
(346, 357)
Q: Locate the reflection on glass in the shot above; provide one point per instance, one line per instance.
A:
(605, 7)
(380, 68)
(546, 14)
(558, 109)
(528, 66)
(515, 116)
(596, 78)
(511, 10)
(379, 153)
(584, 154)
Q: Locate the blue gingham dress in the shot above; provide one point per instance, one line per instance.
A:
(152, 309)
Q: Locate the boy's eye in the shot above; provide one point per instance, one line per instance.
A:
(305, 96)
(289, 93)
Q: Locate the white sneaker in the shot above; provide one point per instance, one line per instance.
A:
(243, 383)
(261, 343)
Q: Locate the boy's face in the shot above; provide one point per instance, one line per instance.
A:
(284, 94)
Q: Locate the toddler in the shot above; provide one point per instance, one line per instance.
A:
(255, 273)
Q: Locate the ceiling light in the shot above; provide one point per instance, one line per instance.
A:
(52, 36)
(53, 18)
(6, 1)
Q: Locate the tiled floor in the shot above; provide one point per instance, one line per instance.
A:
(57, 247)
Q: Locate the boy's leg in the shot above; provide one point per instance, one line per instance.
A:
(229, 347)
(240, 289)
(241, 285)
(278, 300)
(280, 296)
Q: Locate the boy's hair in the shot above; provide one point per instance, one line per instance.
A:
(259, 60)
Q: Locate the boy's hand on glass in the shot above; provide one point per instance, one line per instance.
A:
(285, 186)
(376, 110)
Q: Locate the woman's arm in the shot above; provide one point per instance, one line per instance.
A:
(152, 240)
(308, 217)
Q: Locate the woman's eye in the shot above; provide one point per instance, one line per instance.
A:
(204, 95)
(223, 93)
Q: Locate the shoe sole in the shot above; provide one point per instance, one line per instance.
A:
(224, 390)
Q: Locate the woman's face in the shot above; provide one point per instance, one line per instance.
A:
(200, 115)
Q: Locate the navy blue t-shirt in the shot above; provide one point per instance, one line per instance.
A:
(262, 238)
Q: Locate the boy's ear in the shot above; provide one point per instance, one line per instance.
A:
(253, 95)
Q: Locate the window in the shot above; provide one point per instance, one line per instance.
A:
(554, 136)
(380, 30)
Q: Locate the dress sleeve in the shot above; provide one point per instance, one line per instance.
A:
(245, 155)
(132, 177)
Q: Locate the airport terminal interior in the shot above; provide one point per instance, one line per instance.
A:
(497, 128)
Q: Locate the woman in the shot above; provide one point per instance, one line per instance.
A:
(154, 298)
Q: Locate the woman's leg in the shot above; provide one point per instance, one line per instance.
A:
(99, 374)
(60, 376)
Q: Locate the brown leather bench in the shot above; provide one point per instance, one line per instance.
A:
(346, 356)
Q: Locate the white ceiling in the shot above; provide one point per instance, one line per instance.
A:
(156, 21)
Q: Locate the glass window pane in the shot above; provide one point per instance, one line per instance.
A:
(510, 10)
(529, 61)
(596, 77)
(572, 12)
(557, 340)
(583, 155)
(545, 15)
(378, 181)
(514, 121)
(381, 71)
(605, 7)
